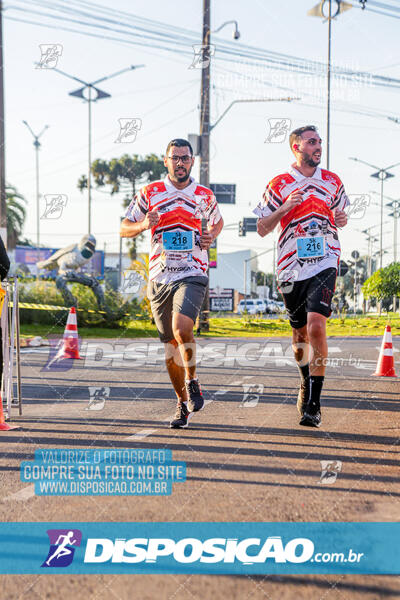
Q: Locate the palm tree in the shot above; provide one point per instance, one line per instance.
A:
(16, 215)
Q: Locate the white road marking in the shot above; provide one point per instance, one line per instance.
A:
(140, 435)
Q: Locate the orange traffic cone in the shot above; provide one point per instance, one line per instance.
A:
(70, 346)
(3, 425)
(385, 366)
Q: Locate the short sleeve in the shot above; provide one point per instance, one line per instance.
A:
(341, 200)
(138, 208)
(211, 212)
(270, 202)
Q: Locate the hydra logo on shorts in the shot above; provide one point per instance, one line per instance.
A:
(326, 296)
(62, 547)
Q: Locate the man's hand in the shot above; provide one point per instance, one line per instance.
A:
(151, 220)
(340, 218)
(293, 200)
(206, 240)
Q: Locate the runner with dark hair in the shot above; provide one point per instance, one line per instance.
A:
(173, 210)
(308, 204)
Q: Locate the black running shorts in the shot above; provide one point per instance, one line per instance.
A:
(184, 296)
(310, 295)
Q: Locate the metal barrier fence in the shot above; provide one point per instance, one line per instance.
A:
(10, 327)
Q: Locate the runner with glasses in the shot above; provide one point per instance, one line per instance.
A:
(173, 210)
(308, 204)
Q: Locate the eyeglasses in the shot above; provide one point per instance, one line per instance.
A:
(184, 159)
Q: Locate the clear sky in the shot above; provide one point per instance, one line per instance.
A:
(165, 96)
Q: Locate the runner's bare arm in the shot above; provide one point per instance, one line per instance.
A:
(340, 218)
(267, 224)
(212, 232)
(131, 229)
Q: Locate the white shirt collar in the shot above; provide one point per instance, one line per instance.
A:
(299, 176)
(187, 190)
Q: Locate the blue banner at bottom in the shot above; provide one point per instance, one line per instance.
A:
(201, 548)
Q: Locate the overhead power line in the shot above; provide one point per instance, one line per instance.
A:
(88, 18)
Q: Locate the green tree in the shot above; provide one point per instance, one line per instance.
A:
(384, 283)
(268, 278)
(126, 173)
(16, 215)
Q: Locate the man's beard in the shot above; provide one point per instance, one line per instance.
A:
(309, 161)
(181, 178)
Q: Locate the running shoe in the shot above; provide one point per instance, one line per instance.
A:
(181, 417)
(312, 415)
(302, 397)
(196, 400)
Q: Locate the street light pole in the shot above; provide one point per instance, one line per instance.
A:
(395, 206)
(88, 87)
(382, 174)
(36, 145)
(328, 110)
(318, 11)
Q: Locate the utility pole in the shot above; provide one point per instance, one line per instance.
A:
(203, 320)
(3, 202)
(36, 145)
(205, 99)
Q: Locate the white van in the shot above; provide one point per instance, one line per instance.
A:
(252, 305)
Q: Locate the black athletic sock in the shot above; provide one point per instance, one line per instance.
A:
(316, 383)
(304, 373)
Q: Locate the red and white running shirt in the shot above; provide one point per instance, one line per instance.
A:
(313, 218)
(180, 210)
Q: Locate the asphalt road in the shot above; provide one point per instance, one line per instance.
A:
(247, 457)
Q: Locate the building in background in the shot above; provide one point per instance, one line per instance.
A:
(230, 269)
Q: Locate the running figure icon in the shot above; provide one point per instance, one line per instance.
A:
(62, 549)
(63, 543)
